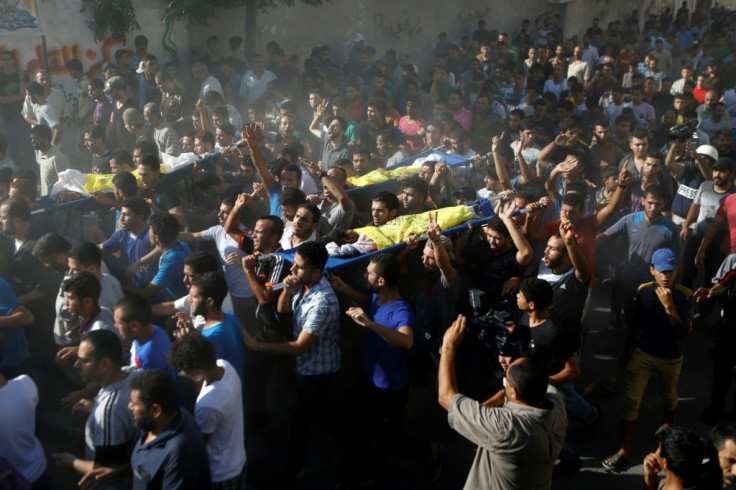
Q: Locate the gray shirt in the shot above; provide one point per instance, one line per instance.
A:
(336, 216)
(709, 200)
(517, 444)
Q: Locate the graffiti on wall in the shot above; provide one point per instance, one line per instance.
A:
(30, 58)
(403, 29)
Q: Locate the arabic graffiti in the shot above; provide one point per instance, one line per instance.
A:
(31, 60)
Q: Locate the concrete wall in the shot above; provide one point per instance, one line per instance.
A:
(67, 37)
(407, 26)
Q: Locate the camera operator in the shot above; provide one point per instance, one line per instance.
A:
(529, 427)
(691, 166)
(499, 264)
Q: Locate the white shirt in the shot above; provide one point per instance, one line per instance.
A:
(18, 443)
(252, 87)
(219, 411)
(237, 283)
(289, 233)
(211, 84)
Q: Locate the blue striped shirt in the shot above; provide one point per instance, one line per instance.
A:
(318, 312)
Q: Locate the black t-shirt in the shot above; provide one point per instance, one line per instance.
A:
(9, 86)
(568, 302)
(492, 270)
(550, 346)
(164, 196)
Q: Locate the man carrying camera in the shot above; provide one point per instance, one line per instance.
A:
(530, 427)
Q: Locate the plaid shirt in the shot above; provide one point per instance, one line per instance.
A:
(317, 312)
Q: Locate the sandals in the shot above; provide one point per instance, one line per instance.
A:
(614, 463)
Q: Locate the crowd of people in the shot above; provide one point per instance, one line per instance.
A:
(158, 321)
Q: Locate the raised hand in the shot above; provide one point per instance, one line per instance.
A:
(434, 231)
(253, 135)
(454, 334)
(624, 176)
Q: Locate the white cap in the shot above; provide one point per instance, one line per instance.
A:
(141, 68)
(708, 151)
(357, 38)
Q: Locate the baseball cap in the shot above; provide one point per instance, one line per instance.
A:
(114, 83)
(724, 164)
(707, 150)
(664, 259)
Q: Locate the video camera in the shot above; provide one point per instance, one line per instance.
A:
(684, 131)
(491, 329)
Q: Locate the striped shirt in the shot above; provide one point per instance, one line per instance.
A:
(317, 312)
(110, 433)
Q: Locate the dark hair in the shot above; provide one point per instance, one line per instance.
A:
(579, 187)
(608, 171)
(83, 285)
(377, 104)
(17, 209)
(277, 224)
(530, 381)
(122, 157)
(655, 191)
(146, 148)
(126, 182)
(387, 198)
(95, 132)
(567, 124)
(291, 196)
(496, 224)
(683, 451)
(574, 199)
(87, 254)
(6, 174)
(416, 183)
(151, 162)
(165, 227)
(722, 433)
(640, 135)
(312, 208)
(51, 244)
(213, 98)
(42, 131)
(202, 262)
(105, 344)
(314, 253)
(292, 167)
(387, 267)
(234, 42)
(135, 308)
(138, 205)
(204, 180)
(538, 291)
(211, 285)
(653, 153)
(192, 352)
(156, 387)
(34, 88)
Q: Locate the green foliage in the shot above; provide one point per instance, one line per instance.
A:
(114, 18)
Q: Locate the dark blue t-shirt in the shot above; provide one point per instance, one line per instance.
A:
(14, 349)
(386, 364)
(134, 249)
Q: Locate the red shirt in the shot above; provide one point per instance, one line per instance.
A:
(728, 211)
